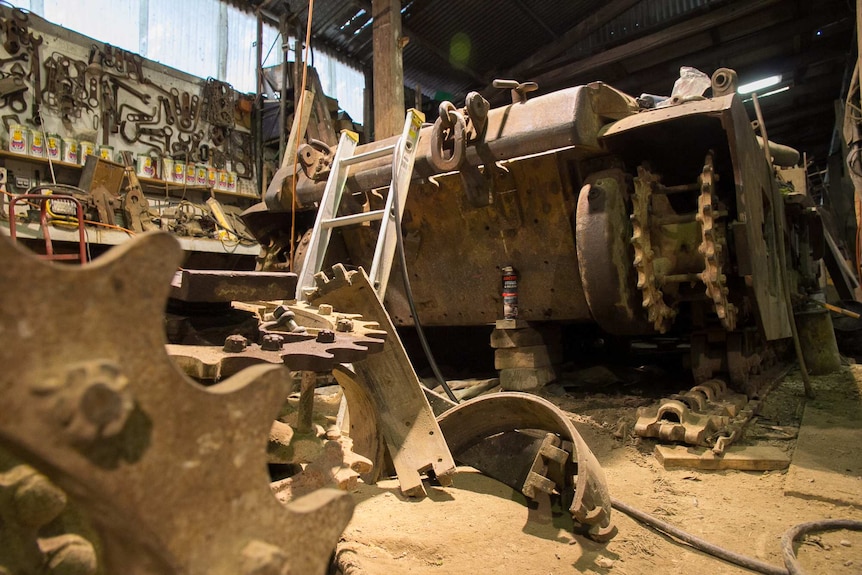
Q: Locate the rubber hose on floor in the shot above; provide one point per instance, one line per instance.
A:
(798, 531)
(787, 540)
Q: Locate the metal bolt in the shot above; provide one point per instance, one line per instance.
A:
(235, 343)
(272, 342)
(285, 317)
(344, 325)
(324, 309)
(94, 401)
(325, 336)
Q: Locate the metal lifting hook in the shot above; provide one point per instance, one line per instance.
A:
(448, 139)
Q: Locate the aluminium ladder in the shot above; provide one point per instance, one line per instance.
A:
(403, 154)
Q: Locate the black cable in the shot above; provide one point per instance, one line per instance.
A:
(697, 542)
(794, 533)
(787, 540)
(399, 242)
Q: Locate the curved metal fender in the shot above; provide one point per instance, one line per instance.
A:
(473, 423)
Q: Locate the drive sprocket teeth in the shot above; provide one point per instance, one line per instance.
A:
(712, 248)
(659, 313)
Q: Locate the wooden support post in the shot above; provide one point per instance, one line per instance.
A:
(388, 69)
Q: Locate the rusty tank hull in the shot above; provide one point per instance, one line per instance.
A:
(643, 222)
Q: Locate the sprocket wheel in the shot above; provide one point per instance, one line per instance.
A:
(659, 313)
(712, 247)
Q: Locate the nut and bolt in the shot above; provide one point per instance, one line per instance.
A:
(324, 309)
(344, 325)
(272, 342)
(91, 400)
(235, 344)
(285, 317)
(325, 336)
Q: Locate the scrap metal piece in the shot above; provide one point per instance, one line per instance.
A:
(387, 391)
(483, 419)
(172, 475)
(695, 417)
(299, 350)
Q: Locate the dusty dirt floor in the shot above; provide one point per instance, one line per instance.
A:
(479, 526)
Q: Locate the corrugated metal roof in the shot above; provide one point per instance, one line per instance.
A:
(456, 47)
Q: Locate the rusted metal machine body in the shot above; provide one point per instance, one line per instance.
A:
(624, 217)
(642, 221)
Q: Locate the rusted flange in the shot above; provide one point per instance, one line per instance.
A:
(473, 422)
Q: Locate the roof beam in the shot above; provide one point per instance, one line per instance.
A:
(532, 14)
(427, 46)
(685, 29)
(585, 27)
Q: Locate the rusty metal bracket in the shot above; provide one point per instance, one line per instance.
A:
(394, 393)
(562, 463)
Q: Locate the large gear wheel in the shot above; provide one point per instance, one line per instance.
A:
(712, 247)
(659, 313)
(172, 475)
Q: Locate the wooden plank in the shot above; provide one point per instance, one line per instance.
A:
(653, 41)
(509, 338)
(742, 458)
(531, 356)
(388, 69)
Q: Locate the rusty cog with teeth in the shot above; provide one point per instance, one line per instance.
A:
(172, 475)
(712, 247)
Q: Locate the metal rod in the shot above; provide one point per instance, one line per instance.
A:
(282, 104)
(305, 412)
(353, 219)
(682, 218)
(258, 105)
(659, 189)
(680, 278)
(366, 156)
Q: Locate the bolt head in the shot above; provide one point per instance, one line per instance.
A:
(324, 309)
(325, 336)
(344, 325)
(235, 344)
(272, 342)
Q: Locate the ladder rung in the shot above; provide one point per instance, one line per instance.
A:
(365, 156)
(353, 219)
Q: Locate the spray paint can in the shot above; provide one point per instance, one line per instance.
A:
(510, 292)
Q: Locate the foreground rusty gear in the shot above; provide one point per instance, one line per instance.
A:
(481, 430)
(173, 476)
(712, 247)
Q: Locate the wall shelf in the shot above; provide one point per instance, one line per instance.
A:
(108, 237)
(149, 183)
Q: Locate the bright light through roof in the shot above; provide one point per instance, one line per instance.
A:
(759, 84)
